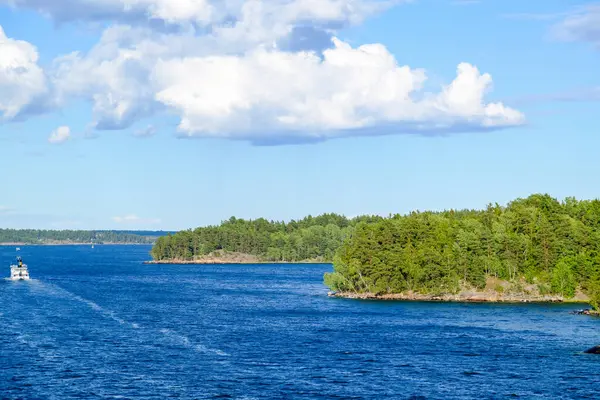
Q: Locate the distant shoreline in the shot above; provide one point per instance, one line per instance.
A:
(471, 297)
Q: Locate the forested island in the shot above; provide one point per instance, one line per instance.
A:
(46, 237)
(535, 248)
(310, 239)
(532, 249)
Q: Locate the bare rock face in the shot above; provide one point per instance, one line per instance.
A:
(593, 350)
(582, 312)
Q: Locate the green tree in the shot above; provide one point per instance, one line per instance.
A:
(563, 280)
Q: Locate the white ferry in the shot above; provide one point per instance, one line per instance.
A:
(19, 271)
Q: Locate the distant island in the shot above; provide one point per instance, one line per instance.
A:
(532, 249)
(314, 239)
(58, 237)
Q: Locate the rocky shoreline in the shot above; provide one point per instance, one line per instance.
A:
(587, 311)
(199, 262)
(225, 261)
(226, 257)
(463, 297)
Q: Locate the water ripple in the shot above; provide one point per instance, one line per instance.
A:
(100, 324)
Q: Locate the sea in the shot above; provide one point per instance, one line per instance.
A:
(98, 323)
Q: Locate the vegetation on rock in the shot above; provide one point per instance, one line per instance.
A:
(539, 240)
(312, 238)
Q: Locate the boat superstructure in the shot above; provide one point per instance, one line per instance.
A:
(19, 271)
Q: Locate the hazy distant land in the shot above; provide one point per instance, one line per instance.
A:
(21, 237)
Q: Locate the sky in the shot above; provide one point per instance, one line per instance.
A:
(173, 114)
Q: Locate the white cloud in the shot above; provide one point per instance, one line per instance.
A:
(60, 135)
(268, 92)
(264, 71)
(200, 11)
(133, 219)
(113, 75)
(22, 81)
(126, 10)
(204, 12)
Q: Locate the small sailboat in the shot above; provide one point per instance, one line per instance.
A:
(20, 271)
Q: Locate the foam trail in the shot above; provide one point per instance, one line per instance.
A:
(185, 341)
(107, 313)
(58, 291)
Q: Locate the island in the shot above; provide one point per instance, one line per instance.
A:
(532, 249)
(311, 239)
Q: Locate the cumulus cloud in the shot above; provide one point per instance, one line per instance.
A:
(124, 10)
(133, 219)
(22, 81)
(202, 13)
(270, 93)
(113, 76)
(60, 135)
(264, 71)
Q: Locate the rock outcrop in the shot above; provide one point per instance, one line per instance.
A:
(467, 297)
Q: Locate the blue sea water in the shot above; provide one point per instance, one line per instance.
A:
(97, 323)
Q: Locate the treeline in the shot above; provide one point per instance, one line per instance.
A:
(312, 238)
(36, 236)
(538, 240)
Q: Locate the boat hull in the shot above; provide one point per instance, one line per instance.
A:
(19, 273)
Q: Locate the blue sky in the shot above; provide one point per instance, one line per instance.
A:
(155, 114)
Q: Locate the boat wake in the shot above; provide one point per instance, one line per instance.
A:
(181, 339)
(60, 292)
(185, 341)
